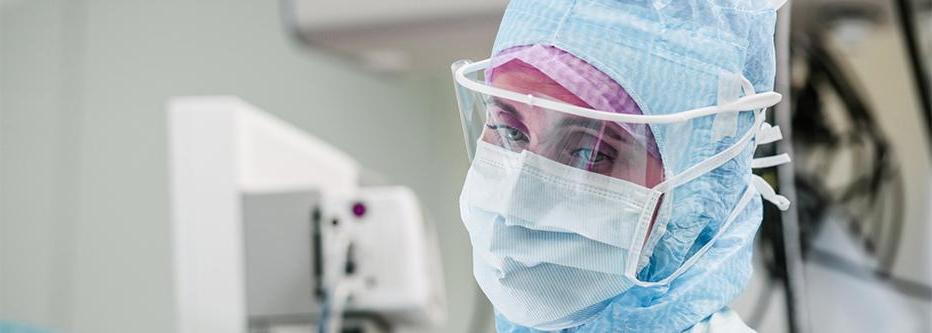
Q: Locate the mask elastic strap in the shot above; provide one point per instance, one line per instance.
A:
(767, 192)
(769, 134)
(770, 161)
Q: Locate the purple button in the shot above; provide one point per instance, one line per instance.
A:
(359, 209)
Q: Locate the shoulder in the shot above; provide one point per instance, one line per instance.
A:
(724, 321)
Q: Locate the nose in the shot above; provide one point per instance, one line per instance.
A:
(545, 149)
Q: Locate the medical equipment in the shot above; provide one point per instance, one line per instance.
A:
(848, 168)
(794, 281)
(271, 228)
(395, 36)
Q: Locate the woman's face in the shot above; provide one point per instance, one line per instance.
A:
(602, 147)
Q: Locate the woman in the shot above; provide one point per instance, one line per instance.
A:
(610, 187)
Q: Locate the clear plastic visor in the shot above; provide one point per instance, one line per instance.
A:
(617, 149)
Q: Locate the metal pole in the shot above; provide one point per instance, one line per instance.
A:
(795, 288)
(920, 72)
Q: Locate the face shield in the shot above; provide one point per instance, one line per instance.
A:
(524, 114)
(616, 149)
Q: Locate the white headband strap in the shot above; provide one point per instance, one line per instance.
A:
(743, 104)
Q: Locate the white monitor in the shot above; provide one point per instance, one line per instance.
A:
(244, 189)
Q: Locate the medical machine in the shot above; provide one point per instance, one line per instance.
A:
(394, 36)
(272, 231)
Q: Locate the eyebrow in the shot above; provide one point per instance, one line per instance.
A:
(506, 107)
(610, 131)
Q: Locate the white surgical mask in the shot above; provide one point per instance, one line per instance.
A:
(533, 250)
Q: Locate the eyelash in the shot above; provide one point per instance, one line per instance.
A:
(508, 128)
(598, 154)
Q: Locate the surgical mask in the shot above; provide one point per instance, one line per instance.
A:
(553, 240)
(534, 250)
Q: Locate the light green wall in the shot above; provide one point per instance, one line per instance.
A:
(83, 180)
(32, 148)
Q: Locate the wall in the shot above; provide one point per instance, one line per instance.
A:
(33, 206)
(84, 238)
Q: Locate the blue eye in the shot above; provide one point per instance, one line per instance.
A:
(589, 155)
(509, 132)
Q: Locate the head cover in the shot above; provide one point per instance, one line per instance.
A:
(688, 65)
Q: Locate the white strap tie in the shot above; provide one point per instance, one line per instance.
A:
(770, 161)
(768, 134)
(767, 192)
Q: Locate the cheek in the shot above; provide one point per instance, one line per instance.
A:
(654, 171)
(653, 219)
(489, 137)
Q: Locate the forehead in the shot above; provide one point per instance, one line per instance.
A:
(522, 78)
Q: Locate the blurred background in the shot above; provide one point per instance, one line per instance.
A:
(89, 149)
